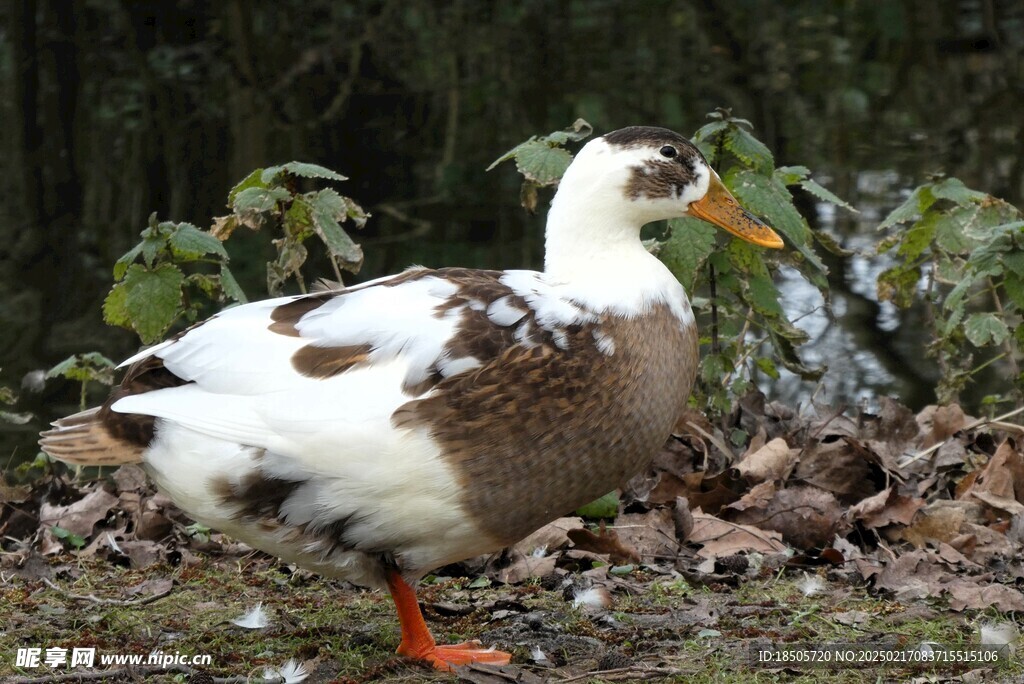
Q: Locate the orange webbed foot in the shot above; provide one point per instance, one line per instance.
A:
(448, 657)
(418, 644)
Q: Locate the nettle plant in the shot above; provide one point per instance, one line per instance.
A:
(961, 253)
(176, 270)
(731, 283)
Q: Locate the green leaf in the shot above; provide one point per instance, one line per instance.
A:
(1014, 286)
(792, 175)
(115, 307)
(1014, 261)
(151, 246)
(188, 242)
(85, 367)
(230, 286)
(542, 163)
(767, 367)
(951, 230)
(511, 153)
(153, 299)
(305, 170)
(250, 181)
(983, 329)
(121, 265)
(763, 296)
(259, 199)
(688, 246)
(825, 194)
(749, 150)
(708, 132)
(899, 285)
(327, 207)
(74, 540)
(605, 507)
(919, 238)
(769, 198)
(579, 130)
(911, 209)
(954, 190)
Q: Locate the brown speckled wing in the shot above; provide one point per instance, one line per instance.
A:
(540, 431)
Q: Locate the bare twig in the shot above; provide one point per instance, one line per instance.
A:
(997, 421)
(92, 598)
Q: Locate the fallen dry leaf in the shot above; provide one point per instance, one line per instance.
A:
(80, 516)
(941, 521)
(842, 466)
(1000, 483)
(551, 537)
(722, 538)
(885, 508)
(967, 594)
(607, 542)
(652, 535)
(773, 461)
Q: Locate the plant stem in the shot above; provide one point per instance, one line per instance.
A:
(714, 309)
(1007, 347)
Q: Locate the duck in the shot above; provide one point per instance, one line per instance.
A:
(376, 432)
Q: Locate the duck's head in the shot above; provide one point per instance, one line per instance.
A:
(641, 174)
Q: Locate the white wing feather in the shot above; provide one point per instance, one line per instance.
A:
(242, 386)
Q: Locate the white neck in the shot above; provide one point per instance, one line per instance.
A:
(593, 249)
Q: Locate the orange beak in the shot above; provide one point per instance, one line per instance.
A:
(720, 208)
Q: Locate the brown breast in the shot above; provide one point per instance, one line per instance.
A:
(541, 431)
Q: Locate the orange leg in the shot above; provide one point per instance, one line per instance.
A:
(417, 643)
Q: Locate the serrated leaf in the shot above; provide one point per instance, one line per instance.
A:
(1014, 261)
(115, 308)
(224, 226)
(792, 175)
(767, 367)
(899, 285)
(1013, 283)
(121, 265)
(749, 149)
(951, 230)
(542, 163)
(307, 170)
(983, 329)
(511, 153)
(826, 195)
(259, 199)
(151, 246)
(688, 246)
(579, 130)
(919, 238)
(230, 286)
(153, 299)
(85, 367)
(709, 131)
(911, 209)
(769, 198)
(954, 190)
(188, 242)
(327, 207)
(253, 180)
(763, 296)
(785, 338)
(829, 243)
(958, 295)
(298, 220)
(605, 507)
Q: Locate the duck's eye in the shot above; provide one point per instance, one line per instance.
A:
(668, 151)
